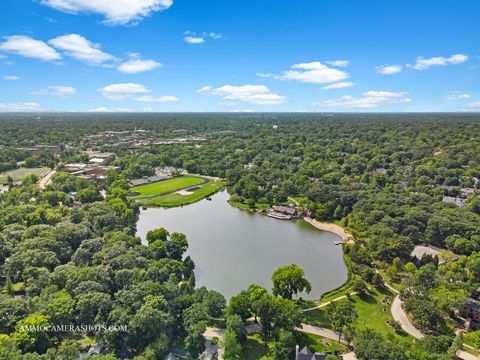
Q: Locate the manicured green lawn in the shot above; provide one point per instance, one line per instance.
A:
(318, 317)
(164, 186)
(371, 313)
(21, 173)
(175, 199)
(318, 343)
(472, 339)
(254, 349)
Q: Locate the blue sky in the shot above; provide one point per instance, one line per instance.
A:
(239, 55)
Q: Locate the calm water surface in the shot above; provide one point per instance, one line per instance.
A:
(232, 248)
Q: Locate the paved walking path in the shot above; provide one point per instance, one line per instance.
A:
(397, 313)
(326, 333)
(329, 302)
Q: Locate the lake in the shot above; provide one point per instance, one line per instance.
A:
(233, 248)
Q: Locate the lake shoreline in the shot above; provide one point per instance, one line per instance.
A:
(346, 236)
(334, 228)
(247, 248)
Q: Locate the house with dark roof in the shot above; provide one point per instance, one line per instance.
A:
(282, 212)
(287, 210)
(471, 310)
(307, 354)
(170, 356)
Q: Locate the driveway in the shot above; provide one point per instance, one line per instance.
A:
(212, 349)
(399, 315)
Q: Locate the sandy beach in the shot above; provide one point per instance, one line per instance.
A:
(346, 236)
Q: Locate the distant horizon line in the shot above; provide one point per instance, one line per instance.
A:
(238, 112)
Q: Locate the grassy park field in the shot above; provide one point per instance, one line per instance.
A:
(21, 173)
(165, 186)
(178, 199)
(176, 192)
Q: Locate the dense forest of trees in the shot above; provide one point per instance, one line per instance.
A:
(381, 176)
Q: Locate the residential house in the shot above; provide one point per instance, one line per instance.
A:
(466, 192)
(282, 212)
(471, 310)
(170, 356)
(307, 354)
(287, 210)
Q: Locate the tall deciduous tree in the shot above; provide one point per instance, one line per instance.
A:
(289, 281)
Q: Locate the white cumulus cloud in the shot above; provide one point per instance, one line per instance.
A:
(159, 99)
(339, 85)
(194, 39)
(339, 63)
(473, 104)
(423, 63)
(81, 49)
(388, 69)
(20, 107)
(116, 12)
(313, 72)
(133, 91)
(28, 47)
(252, 94)
(104, 109)
(135, 66)
(11, 77)
(122, 91)
(458, 97)
(369, 99)
(56, 90)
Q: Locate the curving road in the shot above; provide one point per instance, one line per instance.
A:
(399, 315)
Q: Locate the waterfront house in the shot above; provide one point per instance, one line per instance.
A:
(282, 212)
(307, 354)
(287, 210)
